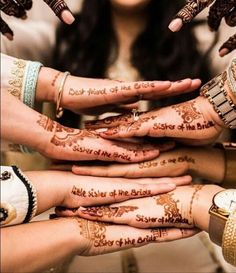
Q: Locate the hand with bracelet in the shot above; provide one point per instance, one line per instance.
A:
(195, 122)
(219, 10)
(18, 8)
(35, 193)
(207, 207)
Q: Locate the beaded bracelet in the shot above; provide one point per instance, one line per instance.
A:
(30, 82)
(18, 197)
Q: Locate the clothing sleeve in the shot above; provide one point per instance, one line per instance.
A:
(18, 197)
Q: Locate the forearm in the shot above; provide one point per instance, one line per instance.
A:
(209, 163)
(37, 246)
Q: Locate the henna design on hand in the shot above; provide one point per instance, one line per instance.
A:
(115, 193)
(47, 124)
(191, 9)
(172, 212)
(110, 212)
(57, 6)
(230, 44)
(165, 162)
(218, 11)
(15, 8)
(187, 111)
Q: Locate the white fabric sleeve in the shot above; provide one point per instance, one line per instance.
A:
(18, 197)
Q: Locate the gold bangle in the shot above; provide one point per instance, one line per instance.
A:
(229, 239)
(59, 109)
(229, 180)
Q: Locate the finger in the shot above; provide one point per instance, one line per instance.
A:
(218, 11)
(119, 190)
(109, 122)
(228, 46)
(187, 13)
(176, 88)
(230, 18)
(117, 237)
(13, 8)
(60, 8)
(5, 29)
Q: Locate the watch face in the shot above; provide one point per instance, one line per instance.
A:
(226, 200)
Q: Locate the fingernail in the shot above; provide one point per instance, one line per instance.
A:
(67, 17)
(175, 25)
(223, 52)
(9, 36)
(101, 130)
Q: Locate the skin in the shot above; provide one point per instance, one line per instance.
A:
(203, 127)
(216, 8)
(208, 163)
(191, 209)
(55, 141)
(84, 95)
(55, 249)
(52, 247)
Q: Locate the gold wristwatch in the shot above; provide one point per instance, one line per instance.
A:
(224, 203)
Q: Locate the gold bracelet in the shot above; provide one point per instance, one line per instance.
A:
(229, 239)
(59, 109)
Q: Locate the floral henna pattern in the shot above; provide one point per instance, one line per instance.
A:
(172, 212)
(187, 111)
(109, 212)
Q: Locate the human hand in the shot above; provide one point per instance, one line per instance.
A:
(96, 238)
(185, 207)
(18, 8)
(194, 122)
(60, 142)
(67, 190)
(219, 10)
(89, 96)
(207, 163)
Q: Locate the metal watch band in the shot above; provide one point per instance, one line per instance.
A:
(216, 226)
(229, 240)
(218, 98)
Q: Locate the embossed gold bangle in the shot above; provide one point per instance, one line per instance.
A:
(229, 240)
(59, 109)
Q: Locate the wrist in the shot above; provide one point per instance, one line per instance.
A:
(202, 205)
(46, 85)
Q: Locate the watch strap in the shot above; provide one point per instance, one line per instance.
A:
(216, 226)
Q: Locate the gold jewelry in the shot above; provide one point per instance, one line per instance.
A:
(59, 109)
(229, 239)
(223, 204)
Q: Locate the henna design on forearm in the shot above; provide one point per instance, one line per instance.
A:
(55, 78)
(46, 123)
(115, 193)
(172, 212)
(166, 162)
(197, 188)
(110, 212)
(187, 111)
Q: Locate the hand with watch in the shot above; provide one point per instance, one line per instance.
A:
(207, 207)
(222, 226)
